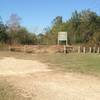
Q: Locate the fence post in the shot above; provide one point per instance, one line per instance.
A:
(90, 49)
(64, 48)
(79, 49)
(98, 50)
(84, 50)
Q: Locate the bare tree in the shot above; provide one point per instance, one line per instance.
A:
(14, 22)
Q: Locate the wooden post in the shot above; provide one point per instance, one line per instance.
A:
(98, 50)
(64, 48)
(84, 50)
(90, 49)
(79, 49)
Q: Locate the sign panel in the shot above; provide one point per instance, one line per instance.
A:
(62, 36)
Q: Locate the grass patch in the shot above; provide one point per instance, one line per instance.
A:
(84, 63)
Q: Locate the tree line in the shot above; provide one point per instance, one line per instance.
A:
(13, 33)
(83, 28)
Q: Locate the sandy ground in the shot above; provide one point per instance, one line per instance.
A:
(34, 80)
(14, 66)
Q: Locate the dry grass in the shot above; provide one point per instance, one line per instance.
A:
(45, 85)
(84, 63)
(8, 92)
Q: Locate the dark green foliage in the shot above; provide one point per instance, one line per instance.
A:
(14, 33)
(24, 37)
(3, 34)
(82, 27)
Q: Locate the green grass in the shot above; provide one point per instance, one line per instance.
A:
(84, 63)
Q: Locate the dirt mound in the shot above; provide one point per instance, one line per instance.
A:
(38, 48)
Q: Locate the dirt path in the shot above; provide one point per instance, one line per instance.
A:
(34, 80)
(9, 65)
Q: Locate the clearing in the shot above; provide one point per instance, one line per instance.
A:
(35, 80)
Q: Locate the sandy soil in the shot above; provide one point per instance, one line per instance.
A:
(34, 80)
(9, 65)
